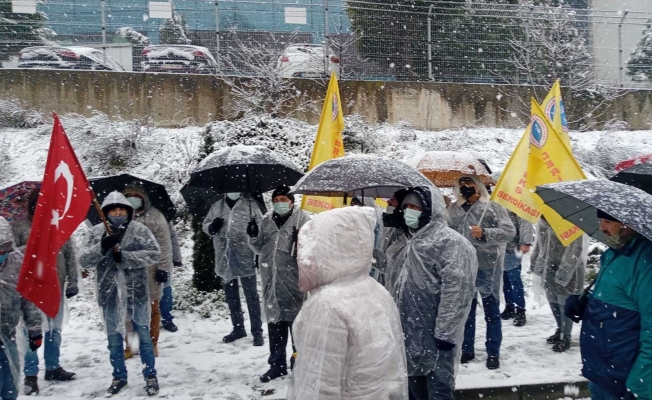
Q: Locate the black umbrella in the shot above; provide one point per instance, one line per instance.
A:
(577, 201)
(360, 175)
(639, 176)
(200, 200)
(158, 196)
(250, 169)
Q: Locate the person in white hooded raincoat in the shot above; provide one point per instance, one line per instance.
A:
(282, 299)
(13, 307)
(490, 238)
(227, 223)
(121, 261)
(348, 333)
(432, 272)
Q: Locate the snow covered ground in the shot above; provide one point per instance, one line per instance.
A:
(194, 363)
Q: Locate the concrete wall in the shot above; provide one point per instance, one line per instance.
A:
(170, 99)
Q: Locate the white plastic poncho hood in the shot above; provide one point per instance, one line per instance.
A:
(348, 333)
(432, 278)
(122, 289)
(498, 231)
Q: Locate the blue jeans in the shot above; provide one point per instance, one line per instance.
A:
(599, 394)
(8, 389)
(512, 282)
(51, 352)
(494, 327)
(166, 305)
(117, 353)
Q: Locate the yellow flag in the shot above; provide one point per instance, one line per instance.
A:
(551, 161)
(553, 106)
(328, 145)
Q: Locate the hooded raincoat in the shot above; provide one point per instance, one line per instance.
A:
(122, 289)
(348, 334)
(13, 306)
(498, 231)
(233, 256)
(432, 278)
(561, 268)
(380, 262)
(279, 273)
(155, 221)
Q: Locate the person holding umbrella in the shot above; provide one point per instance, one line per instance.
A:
(159, 272)
(273, 243)
(227, 223)
(488, 227)
(68, 272)
(122, 259)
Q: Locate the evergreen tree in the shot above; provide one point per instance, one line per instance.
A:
(174, 30)
(21, 30)
(203, 260)
(639, 66)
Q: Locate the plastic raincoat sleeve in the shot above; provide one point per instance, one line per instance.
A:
(257, 243)
(31, 316)
(214, 212)
(72, 265)
(92, 253)
(452, 311)
(176, 249)
(141, 253)
(504, 231)
(161, 230)
(525, 232)
(574, 257)
(536, 266)
(640, 376)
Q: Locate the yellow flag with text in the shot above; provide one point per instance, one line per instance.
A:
(328, 145)
(553, 106)
(550, 161)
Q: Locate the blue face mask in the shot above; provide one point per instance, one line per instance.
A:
(118, 221)
(412, 217)
(281, 208)
(4, 257)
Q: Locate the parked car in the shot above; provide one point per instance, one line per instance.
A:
(178, 59)
(308, 61)
(70, 57)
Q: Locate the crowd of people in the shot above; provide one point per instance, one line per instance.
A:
(377, 304)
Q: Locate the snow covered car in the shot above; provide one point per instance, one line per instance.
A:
(178, 59)
(70, 57)
(307, 61)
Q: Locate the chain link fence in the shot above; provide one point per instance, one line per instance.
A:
(444, 41)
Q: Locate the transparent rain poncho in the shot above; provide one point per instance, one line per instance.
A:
(348, 334)
(380, 263)
(498, 231)
(279, 273)
(13, 306)
(561, 268)
(524, 233)
(122, 289)
(432, 279)
(233, 256)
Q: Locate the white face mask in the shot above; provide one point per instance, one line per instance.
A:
(412, 217)
(233, 195)
(135, 202)
(282, 207)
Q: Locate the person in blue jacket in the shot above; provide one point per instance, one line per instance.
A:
(616, 336)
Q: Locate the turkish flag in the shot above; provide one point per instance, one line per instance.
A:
(62, 205)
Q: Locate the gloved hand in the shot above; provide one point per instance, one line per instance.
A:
(117, 256)
(35, 342)
(252, 229)
(215, 226)
(160, 276)
(72, 291)
(108, 241)
(574, 308)
(443, 345)
(177, 264)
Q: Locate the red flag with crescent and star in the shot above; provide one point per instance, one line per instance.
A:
(63, 203)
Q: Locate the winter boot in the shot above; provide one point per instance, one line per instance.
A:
(562, 345)
(116, 386)
(170, 326)
(151, 386)
(509, 313)
(554, 338)
(59, 374)
(273, 373)
(234, 335)
(467, 358)
(258, 340)
(519, 317)
(493, 362)
(31, 385)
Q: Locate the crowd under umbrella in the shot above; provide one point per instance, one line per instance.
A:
(578, 202)
(445, 168)
(639, 176)
(158, 195)
(240, 168)
(359, 176)
(13, 200)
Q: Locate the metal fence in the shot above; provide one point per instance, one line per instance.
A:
(447, 41)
